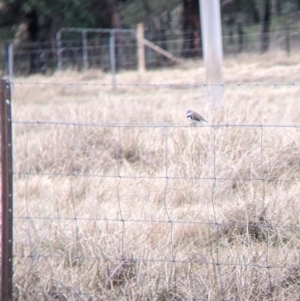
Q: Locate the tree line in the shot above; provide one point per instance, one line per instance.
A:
(37, 21)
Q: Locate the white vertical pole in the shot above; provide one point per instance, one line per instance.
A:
(11, 65)
(84, 50)
(213, 49)
(112, 56)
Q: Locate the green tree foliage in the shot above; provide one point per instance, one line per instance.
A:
(155, 14)
(42, 19)
(46, 17)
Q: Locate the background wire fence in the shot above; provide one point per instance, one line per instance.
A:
(94, 50)
(116, 199)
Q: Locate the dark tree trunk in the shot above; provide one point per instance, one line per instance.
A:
(241, 37)
(33, 35)
(55, 25)
(228, 9)
(253, 11)
(32, 26)
(278, 7)
(119, 38)
(249, 8)
(265, 31)
(191, 29)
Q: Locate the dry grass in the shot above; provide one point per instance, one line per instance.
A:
(156, 209)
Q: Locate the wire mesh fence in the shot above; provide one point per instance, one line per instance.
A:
(118, 198)
(91, 49)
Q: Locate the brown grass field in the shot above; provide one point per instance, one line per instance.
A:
(117, 197)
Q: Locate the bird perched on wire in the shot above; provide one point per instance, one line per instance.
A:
(195, 117)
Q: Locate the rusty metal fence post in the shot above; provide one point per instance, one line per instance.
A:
(7, 193)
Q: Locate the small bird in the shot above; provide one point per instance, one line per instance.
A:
(195, 117)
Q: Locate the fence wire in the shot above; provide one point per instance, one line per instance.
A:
(111, 204)
(93, 50)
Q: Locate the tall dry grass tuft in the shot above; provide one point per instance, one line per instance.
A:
(118, 198)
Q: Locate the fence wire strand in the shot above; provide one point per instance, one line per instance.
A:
(196, 223)
(159, 85)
